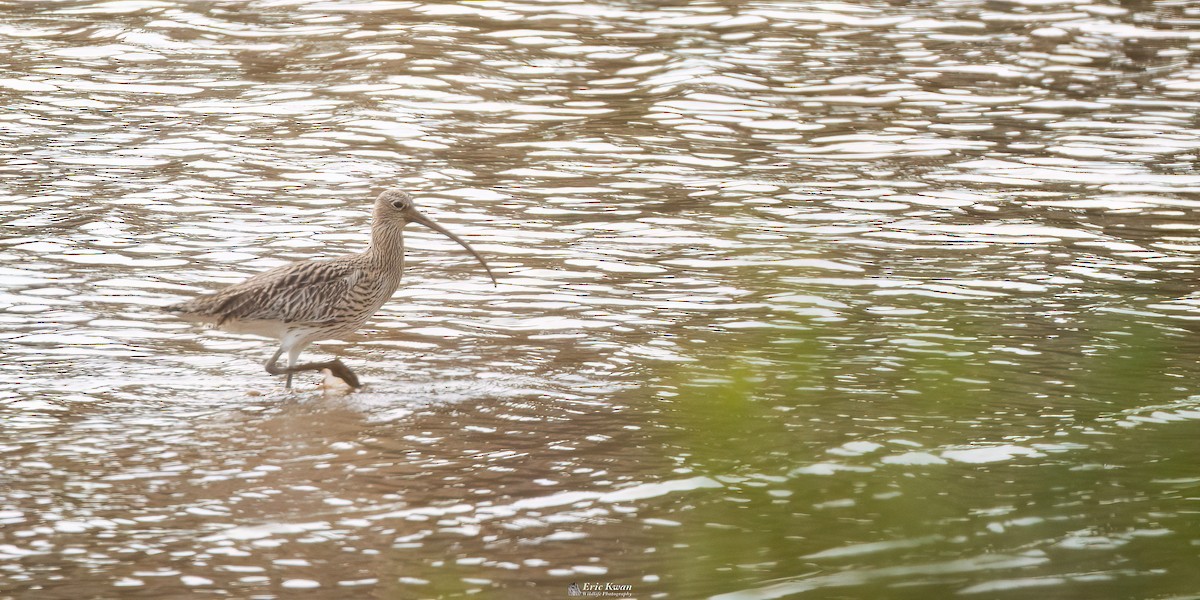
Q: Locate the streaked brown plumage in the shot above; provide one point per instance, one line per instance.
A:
(304, 302)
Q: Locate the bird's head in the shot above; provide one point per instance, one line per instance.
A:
(397, 205)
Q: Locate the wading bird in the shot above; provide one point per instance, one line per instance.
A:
(303, 302)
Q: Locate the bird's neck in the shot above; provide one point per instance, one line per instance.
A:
(387, 245)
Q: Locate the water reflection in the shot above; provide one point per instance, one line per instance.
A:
(879, 299)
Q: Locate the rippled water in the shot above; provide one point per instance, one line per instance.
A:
(887, 299)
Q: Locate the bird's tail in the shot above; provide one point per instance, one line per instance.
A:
(179, 308)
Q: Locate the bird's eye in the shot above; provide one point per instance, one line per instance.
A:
(399, 205)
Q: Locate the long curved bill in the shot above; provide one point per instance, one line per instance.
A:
(430, 223)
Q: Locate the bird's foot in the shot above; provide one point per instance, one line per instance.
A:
(335, 367)
(338, 369)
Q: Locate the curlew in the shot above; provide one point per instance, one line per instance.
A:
(303, 302)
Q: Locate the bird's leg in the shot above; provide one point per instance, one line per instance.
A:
(335, 366)
(274, 369)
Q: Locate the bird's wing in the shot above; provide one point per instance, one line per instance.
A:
(303, 292)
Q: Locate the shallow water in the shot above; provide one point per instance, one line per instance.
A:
(796, 300)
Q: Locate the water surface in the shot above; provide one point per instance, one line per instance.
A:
(836, 300)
